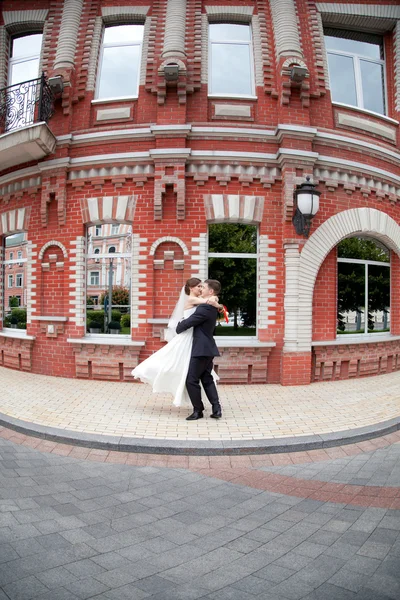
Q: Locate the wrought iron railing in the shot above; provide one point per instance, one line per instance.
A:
(25, 103)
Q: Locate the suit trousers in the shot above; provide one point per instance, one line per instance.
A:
(200, 368)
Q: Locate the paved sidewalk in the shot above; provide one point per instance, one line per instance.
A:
(129, 412)
(75, 524)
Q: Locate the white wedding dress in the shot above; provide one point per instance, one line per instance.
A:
(166, 369)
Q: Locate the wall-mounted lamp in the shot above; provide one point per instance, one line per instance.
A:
(307, 205)
(171, 72)
(56, 84)
(298, 74)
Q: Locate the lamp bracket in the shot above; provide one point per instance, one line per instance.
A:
(301, 223)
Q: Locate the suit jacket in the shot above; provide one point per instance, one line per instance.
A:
(203, 322)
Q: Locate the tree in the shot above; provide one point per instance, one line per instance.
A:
(237, 275)
(120, 296)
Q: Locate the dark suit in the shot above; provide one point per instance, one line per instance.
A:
(204, 349)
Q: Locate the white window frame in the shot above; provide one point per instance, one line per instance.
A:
(21, 59)
(10, 279)
(356, 58)
(113, 227)
(248, 43)
(21, 277)
(118, 45)
(91, 275)
(366, 263)
(98, 231)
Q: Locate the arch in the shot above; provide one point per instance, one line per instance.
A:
(344, 224)
(168, 238)
(52, 243)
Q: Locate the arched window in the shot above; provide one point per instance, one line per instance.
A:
(363, 286)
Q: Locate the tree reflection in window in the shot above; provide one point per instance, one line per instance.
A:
(233, 261)
(363, 286)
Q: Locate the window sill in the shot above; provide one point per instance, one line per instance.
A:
(371, 338)
(113, 100)
(49, 318)
(241, 342)
(366, 112)
(106, 340)
(231, 97)
(16, 333)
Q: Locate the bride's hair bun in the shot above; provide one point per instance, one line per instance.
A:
(191, 283)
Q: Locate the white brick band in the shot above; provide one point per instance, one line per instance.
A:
(66, 46)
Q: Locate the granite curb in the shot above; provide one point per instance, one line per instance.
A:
(201, 447)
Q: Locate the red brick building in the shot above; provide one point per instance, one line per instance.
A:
(168, 139)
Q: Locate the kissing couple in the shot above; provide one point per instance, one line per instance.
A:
(185, 365)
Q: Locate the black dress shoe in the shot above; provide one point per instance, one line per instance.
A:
(194, 416)
(216, 415)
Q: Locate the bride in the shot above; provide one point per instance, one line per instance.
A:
(166, 369)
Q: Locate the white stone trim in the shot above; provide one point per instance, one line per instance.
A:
(260, 47)
(175, 29)
(380, 11)
(31, 281)
(11, 17)
(199, 256)
(77, 282)
(266, 272)
(396, 50)
(1, 281)
(138, 281)
(286, 28)
(347, 119)
(298, 299)
(168, 238)
(240, 14)
(67, 39)
(114, 15)
(52, 243)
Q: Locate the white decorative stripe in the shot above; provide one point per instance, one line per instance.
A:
(286, 27)
(11, 17)
(397, 65)
(13, 221)
(77, 294)
(234, 208)
(110, 13)
(66, 44)
(168, 238)
(138, 278)
(94, 54)
(354, 221)
(258, 47)
(93, 209)
(30, 278)
(107, 207)
(122, 205)
(266, 277)
(145, 50)
(175, 26)
(382, 10)
(235, 13)
(53, 243)
(199, 256)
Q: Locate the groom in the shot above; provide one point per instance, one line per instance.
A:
(204, 349)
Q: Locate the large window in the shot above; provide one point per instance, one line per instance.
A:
(120, 57)
(231, 69)
(363, 286)
(109, 282)
(232, 259)
(14, 300)
(356, 69)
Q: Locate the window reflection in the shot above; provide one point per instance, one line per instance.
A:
(231, 60)
(15, 281)
(109, 279)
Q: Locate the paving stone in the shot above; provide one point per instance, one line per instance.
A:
(86, 588)
(374, 549)
(57, 577)
(274, 573)
(24, 589)
(293, 588)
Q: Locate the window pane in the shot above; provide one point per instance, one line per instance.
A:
(109, 275)
(351, 297)
(15, 292)
(238, 277)
(378, 298)
(342, 80)
(362, 48)
(227, 59)
(27, 45)
(233, 238)
(363, 249)
(372, 86)
(229, 32)
(119, 72)
(123, 33)
(24, 71)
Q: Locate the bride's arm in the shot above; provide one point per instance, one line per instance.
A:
(193, 301)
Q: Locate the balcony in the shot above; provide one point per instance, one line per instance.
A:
(25, 109)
